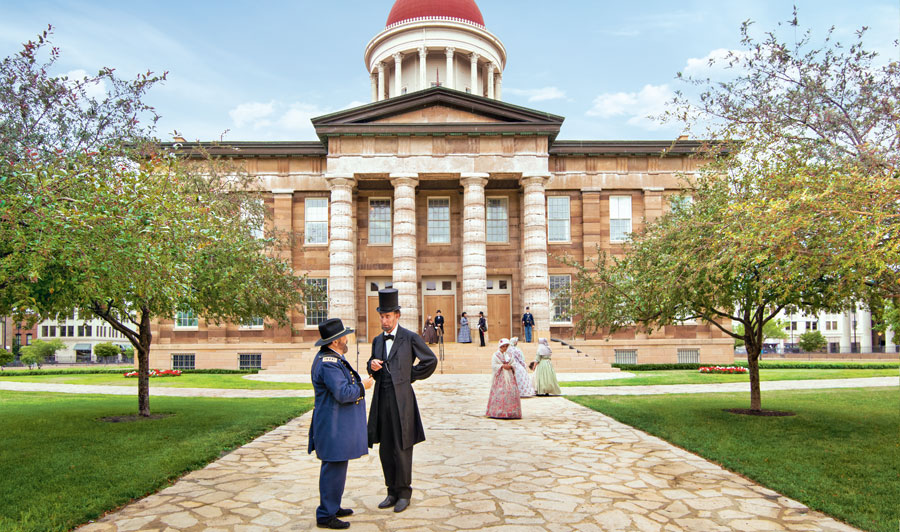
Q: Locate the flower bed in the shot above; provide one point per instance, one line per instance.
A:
(157, 373)
(723, 369)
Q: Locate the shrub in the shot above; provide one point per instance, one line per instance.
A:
(5, 357)
(812, 341)
(39, 351)
(106, 350)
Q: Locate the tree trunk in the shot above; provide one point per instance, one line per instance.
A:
(143, 354)
(753, 366)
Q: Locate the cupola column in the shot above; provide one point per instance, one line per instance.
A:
(380, 81)
(398, 73)
(498, 91)
(474, 74)
(405, 278)
(490, 80)
(423, 54)
(450, 70)
(474, 250)
(374, 76)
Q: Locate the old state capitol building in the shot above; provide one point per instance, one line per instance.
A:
(457, 199)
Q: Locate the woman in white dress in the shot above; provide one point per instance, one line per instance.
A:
(526, 389)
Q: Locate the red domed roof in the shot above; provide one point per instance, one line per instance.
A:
(407, 9)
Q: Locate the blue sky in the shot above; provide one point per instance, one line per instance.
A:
(261, 69)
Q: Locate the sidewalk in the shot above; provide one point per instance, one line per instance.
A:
(562, 468)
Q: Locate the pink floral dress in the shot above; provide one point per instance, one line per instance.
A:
(504, 400)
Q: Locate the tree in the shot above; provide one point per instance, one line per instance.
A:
(39, 351)
(772, 329)
(106, 220)
(797, 206)
(106, 350)
(5, 357)
(812, 341)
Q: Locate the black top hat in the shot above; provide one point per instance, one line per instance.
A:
(388, 300)
(331, 330)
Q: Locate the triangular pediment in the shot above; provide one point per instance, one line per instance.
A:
(437, 110)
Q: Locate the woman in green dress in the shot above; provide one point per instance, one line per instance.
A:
(544, 377)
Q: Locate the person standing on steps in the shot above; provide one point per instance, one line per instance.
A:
(394, 421)
(482, 327)
(528, 323)
(338, 430)
(439, 324)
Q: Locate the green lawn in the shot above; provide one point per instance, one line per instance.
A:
(644, 378)
(840, 454)
(61, 466)
(186, 380)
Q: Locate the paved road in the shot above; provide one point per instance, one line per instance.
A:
(562, 468)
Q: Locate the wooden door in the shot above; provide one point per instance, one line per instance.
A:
(373, 319)
(498, 316)
(447, 305)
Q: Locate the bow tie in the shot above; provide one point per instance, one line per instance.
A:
(388, 337)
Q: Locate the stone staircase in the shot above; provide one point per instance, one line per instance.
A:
(568, 357)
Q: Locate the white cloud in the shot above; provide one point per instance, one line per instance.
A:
(715, 64)
(298, 115)
(637, 106)
(95, 90)
(252, 113)
(538, 95)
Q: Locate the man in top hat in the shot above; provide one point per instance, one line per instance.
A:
(439, 324)
(338, 429)
(394, 420)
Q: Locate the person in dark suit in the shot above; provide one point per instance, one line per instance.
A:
(528, 323)
(394, 421)
(439, 324)
(338, 429)
(482, 327)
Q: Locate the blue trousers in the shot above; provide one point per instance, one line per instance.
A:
(528, 333)
(332, 476)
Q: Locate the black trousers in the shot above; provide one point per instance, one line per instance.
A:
(396, 462)
(481, 336)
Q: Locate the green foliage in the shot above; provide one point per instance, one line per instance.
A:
(119, 371)
(106, 350)
(16, 348)
(39, 351)
(774, 329)
(812, 341)
(765, 365)
(5, 357)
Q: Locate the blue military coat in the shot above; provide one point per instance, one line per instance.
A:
(338, 429)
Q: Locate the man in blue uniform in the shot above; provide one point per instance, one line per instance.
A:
(394, 421)
(338, 429)
(528, 323)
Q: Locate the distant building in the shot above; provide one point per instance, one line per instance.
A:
(79, 336)
(847, 332)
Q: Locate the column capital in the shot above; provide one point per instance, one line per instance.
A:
(535, 179)
(449, 51)
(474, 178)
(398, 57)
(282, 191)
(491, 67)
(474, 57)
(422, 51)
(340, 180)
(592, 190)
(380, 66)
(404, 179)
(654, 189)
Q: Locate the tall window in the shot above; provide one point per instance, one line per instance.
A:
(252, 323)
(498, 220)
(317, 301)
(619, 218)
(186, 318)
(254, 216)
(560, 299)
(679, 201)
(438, 220)
(316, 220)
(379, 221)
(558, 219)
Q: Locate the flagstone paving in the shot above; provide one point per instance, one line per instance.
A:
(561, 468)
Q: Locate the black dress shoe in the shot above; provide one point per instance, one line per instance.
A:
(334, 523)
(388, 502)
(402, 504)
(343, 512)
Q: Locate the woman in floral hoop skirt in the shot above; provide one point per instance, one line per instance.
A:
(504, 402)
(523, 380)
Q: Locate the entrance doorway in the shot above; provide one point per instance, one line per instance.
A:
(440, 294)
(373, 319)
(499, 311)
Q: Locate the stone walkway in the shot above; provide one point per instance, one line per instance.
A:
(562, 468)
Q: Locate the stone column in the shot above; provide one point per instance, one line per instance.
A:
(534, 252)
(474, 73)
(474, 250)
(450, 72)
(380, 81)
(889, 345)
(342, 250)
(405, 277)
(498, 91)
(490, 80)
(423, 79)
(845, 332)
(398, 73)
(282, 221)
(864, 332)
(374, 77)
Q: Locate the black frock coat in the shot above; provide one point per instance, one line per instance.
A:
(407, 347)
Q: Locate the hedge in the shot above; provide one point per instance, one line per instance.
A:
(762, 365)
(83, 371)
